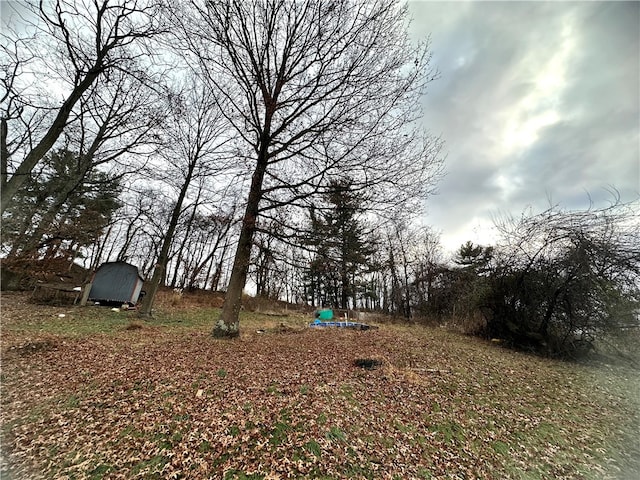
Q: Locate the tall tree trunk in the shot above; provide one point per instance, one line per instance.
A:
(217, 275)
(186, 236)
(163, 257)
(4, 153)
(344, 290)
(228, 324)
(99, 249)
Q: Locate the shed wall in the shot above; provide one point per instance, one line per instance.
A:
(117, 282)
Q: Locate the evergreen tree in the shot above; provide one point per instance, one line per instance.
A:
(473, 257)
(468, 283)
(59, 210)
(342, 247)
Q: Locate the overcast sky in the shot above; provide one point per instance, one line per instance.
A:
(535, 101)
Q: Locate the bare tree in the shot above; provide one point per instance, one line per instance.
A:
(429, 263)
(211, 243)
(314, 89)
(562, 279)
(71, 45)
(113, 122)
(140, 227)
(193, 148)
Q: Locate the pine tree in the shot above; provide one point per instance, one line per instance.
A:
(342, 247)
(473, 257)
(59, 210)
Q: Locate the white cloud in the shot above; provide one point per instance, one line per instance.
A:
(536, 100)
(539, 109)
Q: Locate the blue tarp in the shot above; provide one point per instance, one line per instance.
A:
(355, 325)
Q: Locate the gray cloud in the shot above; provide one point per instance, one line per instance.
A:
(536, 101)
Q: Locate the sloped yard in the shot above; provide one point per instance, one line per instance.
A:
(94, 394)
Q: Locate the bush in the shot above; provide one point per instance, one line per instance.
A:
(563, 279)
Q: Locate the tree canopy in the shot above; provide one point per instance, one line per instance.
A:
(314, 90)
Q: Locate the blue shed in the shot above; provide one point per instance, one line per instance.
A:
(116, 282)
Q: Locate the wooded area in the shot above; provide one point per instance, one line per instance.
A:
(274, 145)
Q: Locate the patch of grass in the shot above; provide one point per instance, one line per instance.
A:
(272, 389)
(356, 470)
(151, 466)
(500, 447)
(347, 392)
(388, 442)
(322, 419)
(205, 447)
(548, 432)
(82, 322)
(98, 320)
(424, 473)
(279, 433)
(100, 471)
(451, 431)
(234, 474)
(313, 447)
(221, 458)
(163, 442)
(336, 435)
(199, 318)
(404, 428)
(71, 402)
(131, 431)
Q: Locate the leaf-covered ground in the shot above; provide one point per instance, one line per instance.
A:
(95, 395)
